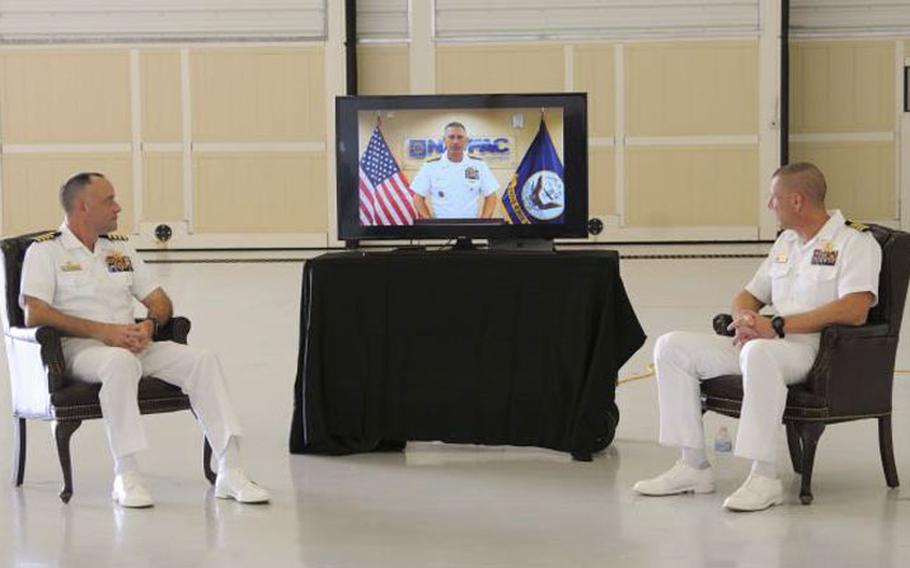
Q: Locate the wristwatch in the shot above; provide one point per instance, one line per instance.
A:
(155, 325)
(777, 323)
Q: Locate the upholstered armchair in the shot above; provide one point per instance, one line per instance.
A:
(851, 378)
(41, 389)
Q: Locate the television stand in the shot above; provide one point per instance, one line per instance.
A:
(536, 245)
(464, 243)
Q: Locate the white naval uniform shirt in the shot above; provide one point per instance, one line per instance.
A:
(837, 261)
(455, 188)
(98, 286)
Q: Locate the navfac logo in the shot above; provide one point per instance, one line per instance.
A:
(490, 147)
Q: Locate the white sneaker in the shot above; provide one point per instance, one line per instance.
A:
(681, 478)
(758, 492)
(234, 484)
(129, 492)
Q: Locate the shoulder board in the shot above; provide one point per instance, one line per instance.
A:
(858, 226)
(434, 158)
(473, 157)
(49, 236)
(114, 237)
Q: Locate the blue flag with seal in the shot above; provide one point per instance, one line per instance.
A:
(536, 193)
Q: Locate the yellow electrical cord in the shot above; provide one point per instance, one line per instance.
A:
(649, 372)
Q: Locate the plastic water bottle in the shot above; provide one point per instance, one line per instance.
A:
(723, 444)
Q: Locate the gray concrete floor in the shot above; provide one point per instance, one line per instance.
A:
(442, 505)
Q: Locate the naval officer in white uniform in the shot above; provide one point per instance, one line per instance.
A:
(83, 282)
(455, 185)
(820, 271)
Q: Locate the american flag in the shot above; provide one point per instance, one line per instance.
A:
(385, 193)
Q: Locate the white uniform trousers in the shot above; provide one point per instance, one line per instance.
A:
(196, 371)
(683, 359)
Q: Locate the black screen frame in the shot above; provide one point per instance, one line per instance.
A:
(575, 165)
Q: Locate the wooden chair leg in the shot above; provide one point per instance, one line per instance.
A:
(207, 460)
(18, 469)
(809, 433)
(63, 431)
(886, 448)
(795, 446)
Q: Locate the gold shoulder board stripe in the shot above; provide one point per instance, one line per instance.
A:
(858, 226)
(114, 237)
(46, 237)
(434, 159)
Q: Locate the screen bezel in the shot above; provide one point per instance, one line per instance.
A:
(575, 165)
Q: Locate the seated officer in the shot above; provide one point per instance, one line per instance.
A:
(456, 185)
(82, 282)
(820, 271)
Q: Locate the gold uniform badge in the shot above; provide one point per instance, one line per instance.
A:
(117, 262)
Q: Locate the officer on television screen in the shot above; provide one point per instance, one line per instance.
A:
(455, 185)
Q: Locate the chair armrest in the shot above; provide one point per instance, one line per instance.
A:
(854, 369)
(721, 322)
(851, 331)
(49, 348)
(176, 329)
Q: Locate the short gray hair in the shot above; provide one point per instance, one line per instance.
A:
(805, 178)
(454, 124)
(74, 186)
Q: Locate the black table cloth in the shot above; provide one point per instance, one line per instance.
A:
(481, 347)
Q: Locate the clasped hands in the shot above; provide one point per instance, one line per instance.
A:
(750, 325)
(135, 337)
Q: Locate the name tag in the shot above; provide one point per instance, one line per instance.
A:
(71, 266)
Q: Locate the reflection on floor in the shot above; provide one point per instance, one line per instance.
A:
(442, 505)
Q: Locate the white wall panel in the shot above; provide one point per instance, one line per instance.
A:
(837, 18)
(382, 20)
(471, 20)
(56, 21)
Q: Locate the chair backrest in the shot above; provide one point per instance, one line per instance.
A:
(893, 279)
(13, 250)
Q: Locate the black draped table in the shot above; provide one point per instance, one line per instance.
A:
(482, 347)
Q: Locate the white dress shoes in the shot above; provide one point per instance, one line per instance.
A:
(234, 484)
(758, 492)
(681, 478)
(129, 492)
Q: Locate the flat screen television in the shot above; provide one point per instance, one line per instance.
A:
(504, 167)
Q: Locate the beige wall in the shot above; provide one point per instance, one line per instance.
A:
(680, 90)
(593, 73)
(267, 108)
(383, 70)
(522, 68)
(601, 181)
(860, 176)
(258, 95)
(841, 90)
(162, 191)
(262, 101)
(52, 98)
(845, 86)
(162, 112)
(31, 185)
(691, 186)
(260, 193)
(65, 97)
(692, 88)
